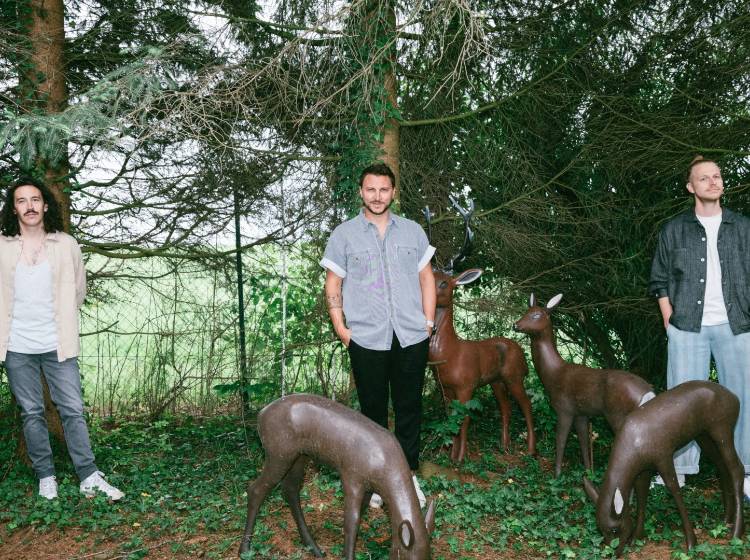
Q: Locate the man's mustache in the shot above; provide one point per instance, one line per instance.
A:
(31, 212)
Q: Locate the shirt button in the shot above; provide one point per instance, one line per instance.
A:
(702, 280)
(703, 238)
(703, 260)
(699, 302)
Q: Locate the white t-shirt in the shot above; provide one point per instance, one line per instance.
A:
(33, 329)
(714, 310)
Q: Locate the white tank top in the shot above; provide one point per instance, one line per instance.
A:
(33, 329)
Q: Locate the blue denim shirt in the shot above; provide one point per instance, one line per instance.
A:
(381, 289)
(678, 270)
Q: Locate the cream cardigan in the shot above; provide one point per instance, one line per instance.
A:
(68, 289)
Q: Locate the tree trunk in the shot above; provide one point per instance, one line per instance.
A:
(44, 90)
(392, 128)
(392, 131)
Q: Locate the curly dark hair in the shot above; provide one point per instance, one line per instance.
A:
(8, 218)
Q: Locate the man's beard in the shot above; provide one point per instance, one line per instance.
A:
(381, 212)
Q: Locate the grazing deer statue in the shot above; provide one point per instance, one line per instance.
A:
(461, 366)
(297, 428)
(578, 392)
(699, 410)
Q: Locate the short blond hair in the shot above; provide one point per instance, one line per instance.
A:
(698, 159)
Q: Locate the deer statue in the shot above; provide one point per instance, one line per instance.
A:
(699, 410)
(578, 392)
(300, 427)
(461, 366)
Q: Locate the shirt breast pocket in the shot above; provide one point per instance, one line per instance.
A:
(407, 259)
(358, 265)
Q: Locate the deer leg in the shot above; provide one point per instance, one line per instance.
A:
(291, 485)
(709, 449)
(564, 421)
(503, 404)
(582, 430)
(449, 395)
(668, 474)
(459, 443)
(353, 497)
(274, 470)
(731, 476)
(735, 475)
(519, 393)
(642, 483)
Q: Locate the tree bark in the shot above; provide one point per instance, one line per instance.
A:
(392, 132)
(47, 86)
(392, 128)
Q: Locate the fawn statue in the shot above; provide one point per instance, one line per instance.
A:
(300, 427)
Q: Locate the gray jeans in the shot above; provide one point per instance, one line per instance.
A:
(64, 381)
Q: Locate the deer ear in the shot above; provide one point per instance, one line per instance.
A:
(468, 276)
(532, 300)
(406, 534)
(429, 517)
(553, 302)
(590, 489)
(618, 503)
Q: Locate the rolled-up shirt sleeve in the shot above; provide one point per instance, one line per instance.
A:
(659, 280)
(424, 248)
(334, 257)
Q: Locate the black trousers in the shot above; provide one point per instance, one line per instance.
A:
(400, 372)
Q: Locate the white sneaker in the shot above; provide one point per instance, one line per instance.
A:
(48, 487)
(95, 482)
(420, 494)
(376, 501)
(658, 481)
(746, 488)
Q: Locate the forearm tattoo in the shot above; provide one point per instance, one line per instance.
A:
(334, 301)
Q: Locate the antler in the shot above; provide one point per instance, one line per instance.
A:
(466, 214)
(428, 218)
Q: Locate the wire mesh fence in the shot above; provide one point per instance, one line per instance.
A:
(157, 342)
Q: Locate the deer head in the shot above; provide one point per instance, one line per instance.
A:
(446, 283)
(537, 319)
(612, 516)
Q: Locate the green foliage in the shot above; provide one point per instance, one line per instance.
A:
(181, 478)
(261, 393)
(440, 432)
(185, 478)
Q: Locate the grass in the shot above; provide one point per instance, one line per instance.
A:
(185, 482)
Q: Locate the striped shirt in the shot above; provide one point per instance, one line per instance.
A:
(381, 289)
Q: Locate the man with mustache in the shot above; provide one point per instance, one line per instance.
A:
(380, 293)
(700, 277)
(42, 286)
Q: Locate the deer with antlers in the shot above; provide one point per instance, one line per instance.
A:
(578, 392)
(462, 366)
